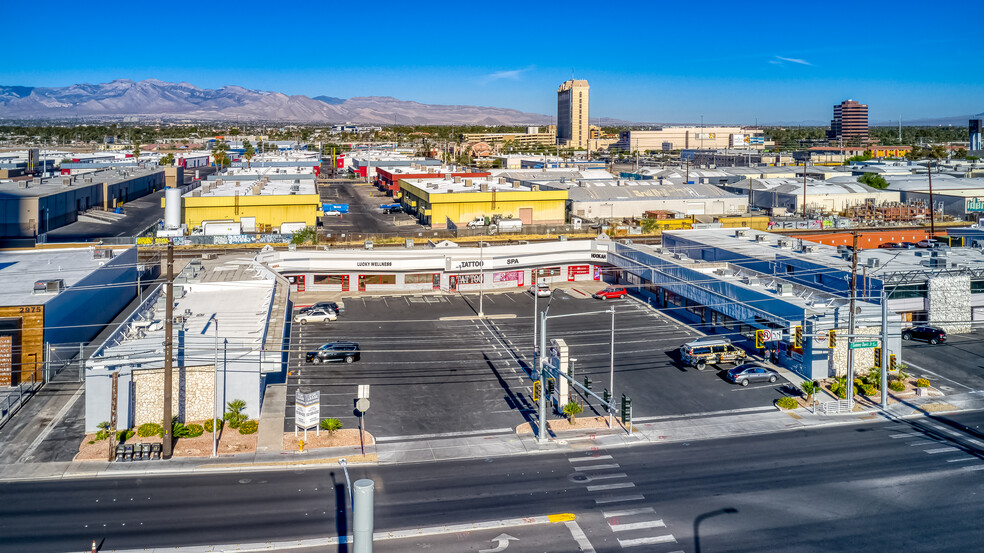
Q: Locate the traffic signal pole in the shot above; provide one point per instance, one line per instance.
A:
(884, 349)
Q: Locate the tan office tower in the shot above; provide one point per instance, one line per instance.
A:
(572, 114)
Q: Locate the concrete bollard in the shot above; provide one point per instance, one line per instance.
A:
(362, 520)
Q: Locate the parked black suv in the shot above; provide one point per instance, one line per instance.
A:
(334, 351)
(324, 305)
(929, 334)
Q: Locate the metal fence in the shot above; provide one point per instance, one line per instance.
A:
(16, 398)
(839, 407)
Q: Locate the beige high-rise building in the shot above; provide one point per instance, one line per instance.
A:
(572, 114)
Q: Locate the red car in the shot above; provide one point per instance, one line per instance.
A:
(612, 292)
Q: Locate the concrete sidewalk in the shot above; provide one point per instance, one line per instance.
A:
(700, 426)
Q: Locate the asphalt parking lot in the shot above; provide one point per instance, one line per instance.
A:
(434, 368)
(954, 366)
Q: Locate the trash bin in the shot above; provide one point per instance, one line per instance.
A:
(155, 450)
(145, 452)
(120, 453)
(128, 453)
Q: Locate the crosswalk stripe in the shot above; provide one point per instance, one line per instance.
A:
(618, 499)
(602, 487)
(627, 512)
(597, 467)
(941, 450)
(647, 541)
(897, 436)
(607, 476)
(975, 467)
(636, 525)
(961, 460)
(594, 458)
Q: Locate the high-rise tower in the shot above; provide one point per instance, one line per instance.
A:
(572, 114)
(850, 123)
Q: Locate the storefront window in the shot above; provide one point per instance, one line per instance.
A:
(380, 279)
(419, 278)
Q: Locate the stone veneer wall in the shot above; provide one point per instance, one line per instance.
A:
(191, 394)
(864, 359)
(949, 303)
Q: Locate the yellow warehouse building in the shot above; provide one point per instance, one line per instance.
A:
(460, 200)
(259, 205)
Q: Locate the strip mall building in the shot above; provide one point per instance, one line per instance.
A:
(448, 269)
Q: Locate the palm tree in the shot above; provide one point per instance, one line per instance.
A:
(572, 409)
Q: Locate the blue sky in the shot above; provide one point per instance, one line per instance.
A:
(647, 61)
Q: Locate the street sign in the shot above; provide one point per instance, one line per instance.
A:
(771, 335)
(363, 391)
(863, 345)
(307, 409)
(362, 405)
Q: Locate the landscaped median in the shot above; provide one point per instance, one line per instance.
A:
(867, 391)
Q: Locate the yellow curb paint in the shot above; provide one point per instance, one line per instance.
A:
(561, 517)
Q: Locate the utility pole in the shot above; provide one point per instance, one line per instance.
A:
(804, 189)
(168, 331)
(884, 349)
(850, 323)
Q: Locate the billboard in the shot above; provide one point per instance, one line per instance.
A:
(739, 140)
(975, 205)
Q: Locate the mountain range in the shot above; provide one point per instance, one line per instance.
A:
(152, 99)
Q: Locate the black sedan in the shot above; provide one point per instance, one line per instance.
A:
(929, 334)
(750, 372)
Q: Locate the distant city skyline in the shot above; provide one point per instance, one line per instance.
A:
(665, 63)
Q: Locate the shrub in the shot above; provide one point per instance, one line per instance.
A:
(896, 386)
(179, 430)
(208, 425)
(124, 435)
(869, 390)
(149, 429)
(787, 403)
(922, 383)
(839, 387)
(248, 427)
(194, 430)
(331, 425)
(572, 409)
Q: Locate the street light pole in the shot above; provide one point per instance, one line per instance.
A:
(215, 392)
(611, 368)
(481, 274)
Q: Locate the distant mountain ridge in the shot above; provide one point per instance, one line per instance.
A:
(152, 99)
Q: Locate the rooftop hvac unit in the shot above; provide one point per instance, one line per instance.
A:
(721, 272)
(937, 263)
(102, 253)
(841, 249)
(750, 281)
(873, 262)
(846, 256)
(784, 244)
(627, 241)
(680, 256)
(49, 286)
(784, 289)
(761, 238)
(810, 249)
(741, 233)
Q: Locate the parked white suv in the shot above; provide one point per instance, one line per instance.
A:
(540, 290)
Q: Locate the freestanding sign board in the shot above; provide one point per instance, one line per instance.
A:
(558, 362)
(307, 411)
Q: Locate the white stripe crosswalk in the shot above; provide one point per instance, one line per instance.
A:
(632, 523)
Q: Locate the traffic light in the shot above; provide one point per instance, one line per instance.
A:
(550, 386)
(759, 339)
(798, 336)
(832, 338)
(877, 358)
(891, 362)
(607, 395)
(536, 391)
(587, 383)
(626, 410)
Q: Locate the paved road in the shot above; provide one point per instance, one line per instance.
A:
(140, 214)
(954, 366)
(897, 485)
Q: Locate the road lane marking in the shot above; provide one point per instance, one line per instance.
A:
(579, 537)
(978, 467)
(594, 458)
(897, 436)
(917, 367)
(603, 487)
(618, 499)
(647, 541)
(706, 414)
(444, 435)
(961, 460)
(636, 525)
(598, 467)
(941, 450)
(627, 512)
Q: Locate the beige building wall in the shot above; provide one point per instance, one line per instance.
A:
(191, 394)
(681, 138)
(572, 114)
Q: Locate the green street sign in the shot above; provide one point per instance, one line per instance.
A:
(862, 345)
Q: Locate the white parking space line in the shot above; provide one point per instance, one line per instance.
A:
(636, 525)
(767, 385)
(941, 450)
(618, 499)
(647, 541)
(627, 512)
(603, 487)
(598, 467)
(593, 458)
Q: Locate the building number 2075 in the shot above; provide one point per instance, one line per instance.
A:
(31, 309)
